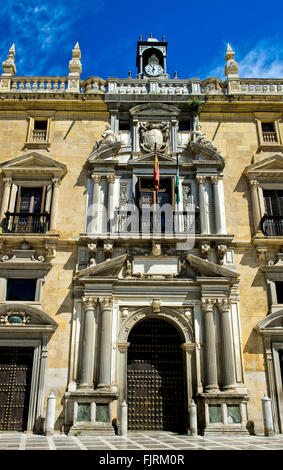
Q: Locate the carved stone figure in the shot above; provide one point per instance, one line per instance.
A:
(108, 138)
(200, 138)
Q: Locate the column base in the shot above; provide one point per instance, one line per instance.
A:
(89, 411)
(211, 389)
(222, 412)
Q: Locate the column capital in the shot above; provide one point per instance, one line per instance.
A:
(223, 305)
(207, 304)
(214, 179)
(106, 303)
(123, 347)
(200, 179)
(95, 178)
(56, 182)
(89, 302)
(7, 181)
(188, 347)
(111, 178)
(254, 183)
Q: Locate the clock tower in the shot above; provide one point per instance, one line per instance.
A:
(151, 58)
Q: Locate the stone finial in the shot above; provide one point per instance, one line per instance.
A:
(75, 66)
(231, 67)
(8, 65)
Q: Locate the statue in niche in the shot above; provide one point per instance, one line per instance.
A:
(200, 138)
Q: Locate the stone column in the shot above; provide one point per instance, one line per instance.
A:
(202, 205)
(227, 350)
(189, 348)
(111, 208)
(5, 199)
(210, 358)
(218, 210)
(54, 208)
(255, 204)
(95, 212)
(123, 348)
(106, 305)
(89, 337)
(174, 136)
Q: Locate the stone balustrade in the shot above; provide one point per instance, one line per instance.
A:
(260, 86)
(39, 84)
(150, 86)
(131, 86)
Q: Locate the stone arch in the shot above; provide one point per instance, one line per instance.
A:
(180, 322)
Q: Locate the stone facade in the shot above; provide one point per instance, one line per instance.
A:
(78, 223)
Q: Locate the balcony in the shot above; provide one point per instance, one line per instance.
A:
(21, 222)
(272, 225)
(39, 135)
(176, 223)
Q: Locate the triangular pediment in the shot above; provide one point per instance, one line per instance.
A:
(111, 267)
(207, 268)
(151, 110)
(150, 158)
(272, 166)
(33, 163)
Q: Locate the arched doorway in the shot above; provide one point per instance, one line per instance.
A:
(155, 377)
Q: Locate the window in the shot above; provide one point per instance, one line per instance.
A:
(29, 213)
(268, 132)
(148, 197)
(39, 132)
(124, 125)
(272, 222)
(39, 129)
(184, 125)
(32, 183)
(21, 289)
(279, 291)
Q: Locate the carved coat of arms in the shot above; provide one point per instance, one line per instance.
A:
(152, 134)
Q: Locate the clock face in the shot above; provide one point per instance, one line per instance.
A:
(153, 69)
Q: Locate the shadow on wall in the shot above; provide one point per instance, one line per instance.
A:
(254, 344)
(243, 188)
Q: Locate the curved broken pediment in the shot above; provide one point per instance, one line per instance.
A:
(272, 321)
(202, 151)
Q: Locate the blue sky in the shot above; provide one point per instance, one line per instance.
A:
(45, 32)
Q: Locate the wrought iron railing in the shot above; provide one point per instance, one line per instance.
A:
(178, 222)
(272, 225)
(23, 222)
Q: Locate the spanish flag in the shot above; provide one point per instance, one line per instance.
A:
(156, 172)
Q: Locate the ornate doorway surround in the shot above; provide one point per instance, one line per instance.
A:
(178, 322)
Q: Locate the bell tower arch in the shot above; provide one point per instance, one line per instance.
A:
(151, 58)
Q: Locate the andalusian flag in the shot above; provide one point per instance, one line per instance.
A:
(156, 172)
(177, 182)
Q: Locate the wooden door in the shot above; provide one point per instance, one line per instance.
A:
(15, 382)
(155, 377)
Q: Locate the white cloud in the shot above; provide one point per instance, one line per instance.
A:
(40, 28)
(264, 60)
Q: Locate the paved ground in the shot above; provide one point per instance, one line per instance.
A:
(138, 441)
